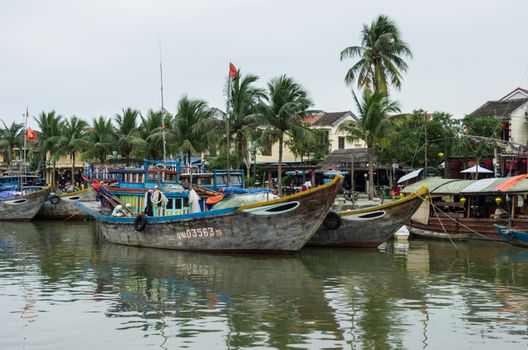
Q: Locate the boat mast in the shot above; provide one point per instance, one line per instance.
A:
(25, 146)
(228, 110)
(162, 119)
(425, 146)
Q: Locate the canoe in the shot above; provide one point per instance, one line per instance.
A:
(23, 207)
(62, 206)
(463, 236)
(280, 225)
(513, 236)
(367, 227)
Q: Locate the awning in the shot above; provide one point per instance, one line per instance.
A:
(477, 169)
(334, 173)
(410, 175)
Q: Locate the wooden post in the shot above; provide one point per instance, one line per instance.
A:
(313, 177)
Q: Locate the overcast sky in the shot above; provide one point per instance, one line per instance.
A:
(95, 57)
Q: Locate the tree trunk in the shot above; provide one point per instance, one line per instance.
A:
(390, 175)
(371, 170)
(303, 171)
(53, 175)
(73, 169)
(279, 168)
(239, 153)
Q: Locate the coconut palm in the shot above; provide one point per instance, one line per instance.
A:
(101, 138)
(192, 128)
(11, 137)
(50, 129)
(244, 97)
(381, 56)
(280, 113)
(150, 129)
(371, 124)
(129, 137)
(72, 140)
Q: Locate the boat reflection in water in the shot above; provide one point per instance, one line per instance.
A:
(57, 282)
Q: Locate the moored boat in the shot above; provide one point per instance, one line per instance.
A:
(416, 232)
(23, 205)
(280, 225)
(367, 227)
(515, 237)
(62, 205)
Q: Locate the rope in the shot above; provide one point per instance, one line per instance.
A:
(443, 228)
(456, 221)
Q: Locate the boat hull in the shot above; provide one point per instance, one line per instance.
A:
(369, 227)
(478, 228)
(439, 235)
(514, 237)
(23, 208)
(66, 208)
(281, 225)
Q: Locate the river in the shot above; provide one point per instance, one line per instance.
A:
(61, 287)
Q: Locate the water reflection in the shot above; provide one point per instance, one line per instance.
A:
(421, 295)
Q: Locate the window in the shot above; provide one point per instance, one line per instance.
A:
(341, 142)
(170, 203)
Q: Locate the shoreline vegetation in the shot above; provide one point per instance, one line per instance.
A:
(261, 116)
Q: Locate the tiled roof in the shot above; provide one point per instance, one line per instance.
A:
(329, 119)
(499, 108)
(310, 119)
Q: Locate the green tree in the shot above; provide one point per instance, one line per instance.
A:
(11, 137)
(381, 56)
(50, 129)
(129, 138)
(73, 140)
(244, 98)
(308, 145)
(150, 129)
(280, 113)
(371, 125)
(192, 127)
(101, 138)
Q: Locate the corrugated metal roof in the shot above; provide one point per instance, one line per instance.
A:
(432, 183)
(518, 187)
(484, 185)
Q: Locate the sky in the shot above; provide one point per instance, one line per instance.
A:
(96, 57)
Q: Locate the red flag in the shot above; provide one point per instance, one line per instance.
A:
(232, 70)
(31, 135)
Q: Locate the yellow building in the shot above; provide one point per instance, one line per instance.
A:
(329, 122)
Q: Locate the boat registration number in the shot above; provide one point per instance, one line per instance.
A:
(198, 233)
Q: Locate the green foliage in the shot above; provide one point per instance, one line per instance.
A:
(129, 138)
(381, 56)
(101, 138)
(11, 137)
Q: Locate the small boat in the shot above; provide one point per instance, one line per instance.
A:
(62, 206)
(367, 227)
(22, 205)
(416, 232)
(513, 236)
(280, 225)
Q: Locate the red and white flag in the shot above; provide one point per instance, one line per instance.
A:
(232, 70)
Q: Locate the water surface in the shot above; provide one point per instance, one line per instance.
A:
(61, 288)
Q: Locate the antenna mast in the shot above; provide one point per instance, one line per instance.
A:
(162, 118)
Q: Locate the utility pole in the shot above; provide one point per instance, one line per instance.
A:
(352, 175)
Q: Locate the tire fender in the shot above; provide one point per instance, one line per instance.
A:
(332, 220)
(140, 223)
(54, 200)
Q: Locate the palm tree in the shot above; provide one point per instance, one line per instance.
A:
(150, 130)
(11, 138)
(50, 129)
(281, 113)
(381, 56)
(101, 138)
(128, 136)
(244, 97)
(72, 140)
(371, 125)
(192, 127)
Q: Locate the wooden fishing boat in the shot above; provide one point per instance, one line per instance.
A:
(280, 225)
(62, 206)
(24, 206)
(471, 208)
(416, 232)
(513, 236)
(368, 227)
